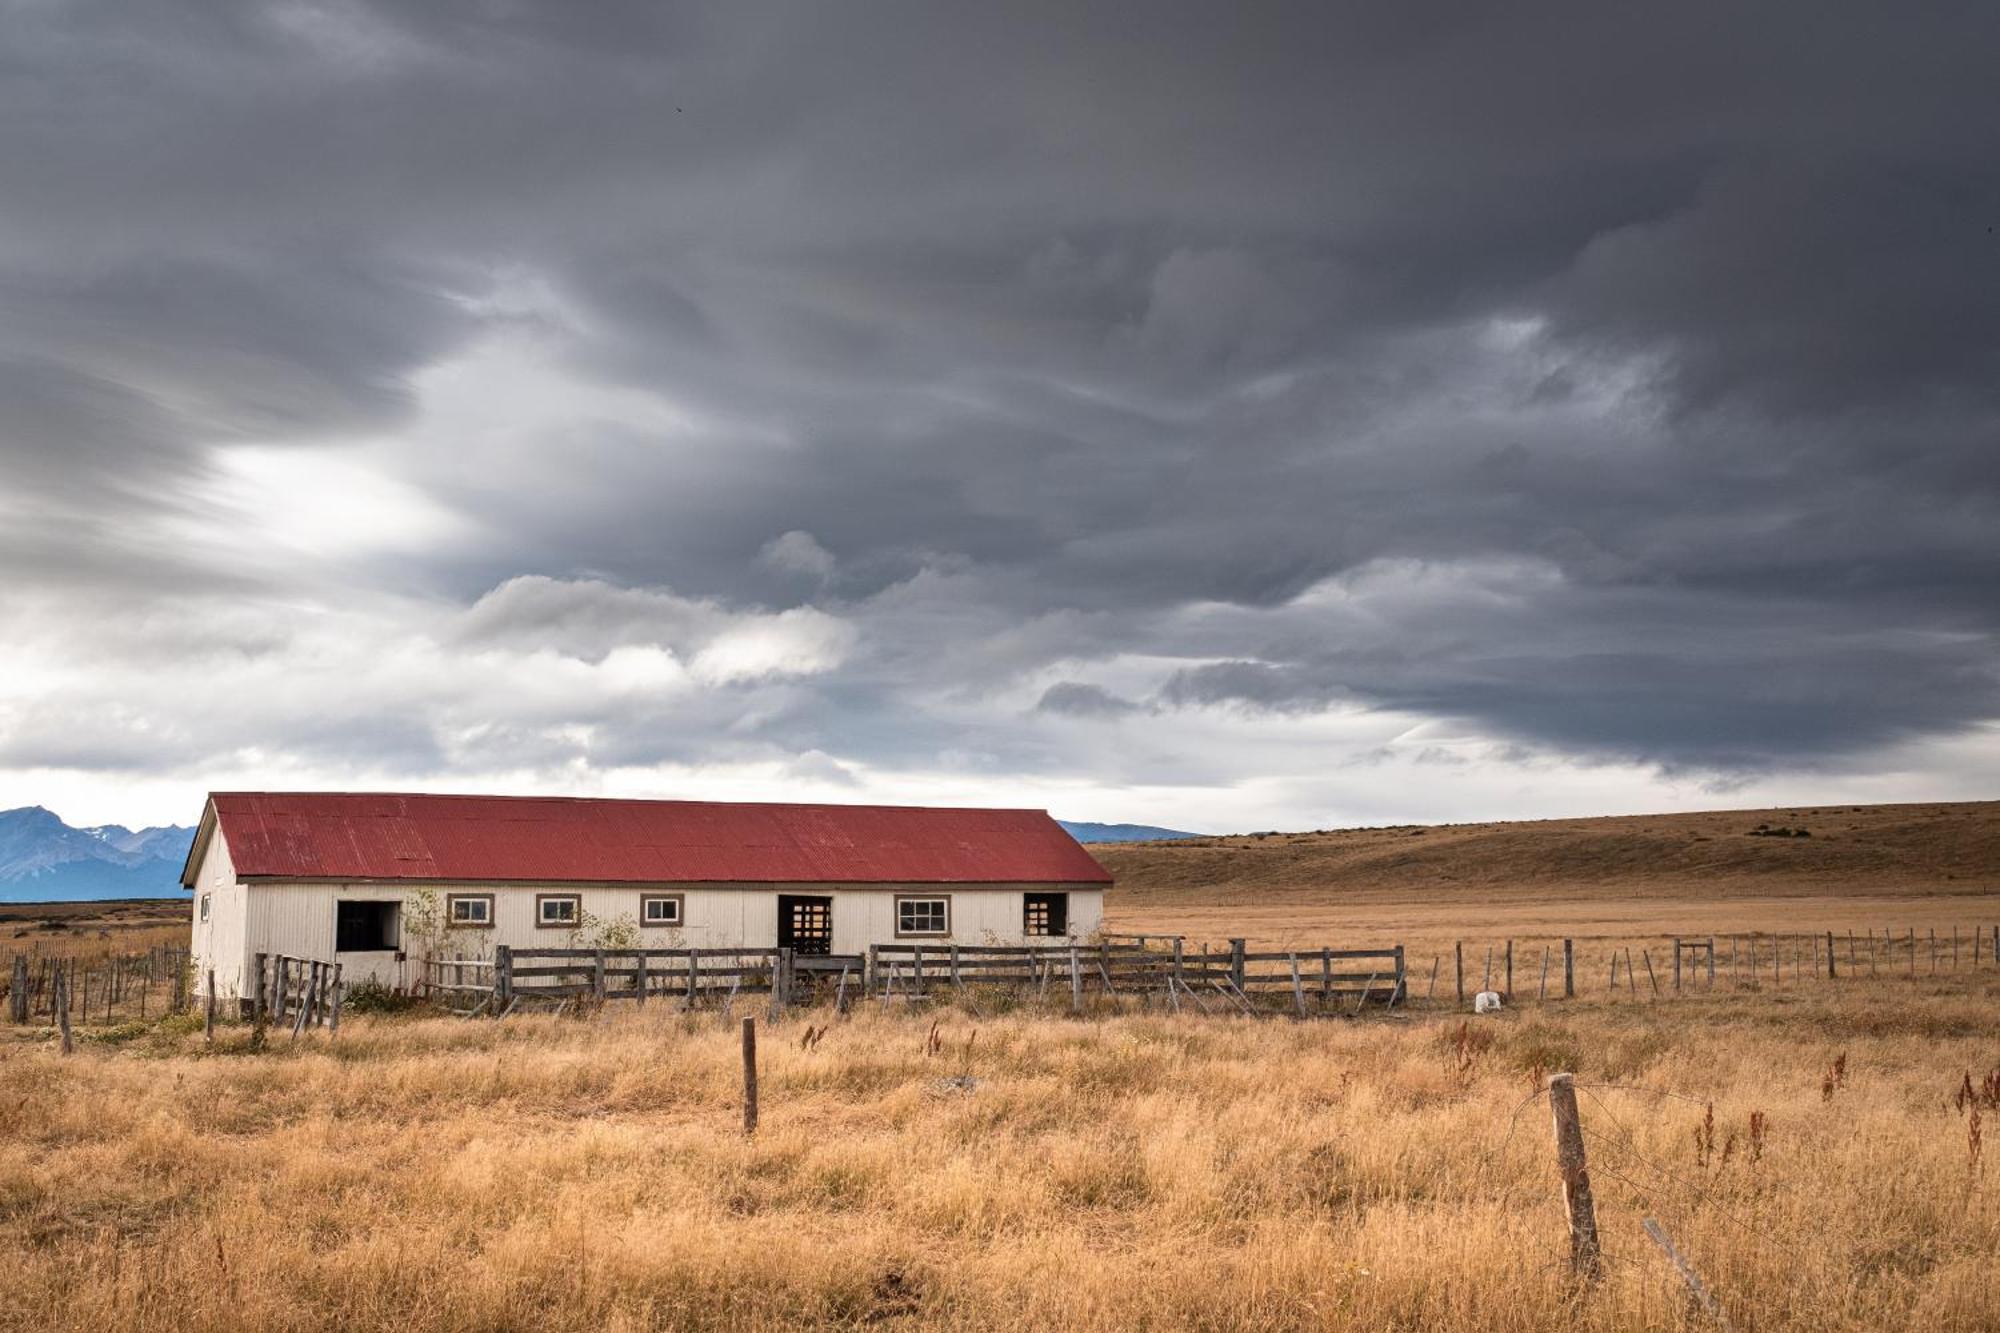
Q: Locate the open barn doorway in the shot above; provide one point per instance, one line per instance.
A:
(366, 926)
(805, 925)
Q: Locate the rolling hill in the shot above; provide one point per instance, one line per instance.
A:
(1949, 848)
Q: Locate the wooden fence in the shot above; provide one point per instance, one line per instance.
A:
(296, 993)
(462, 985)
(1683, 964)
(135, 985)
(1303, 981)
(638, 974)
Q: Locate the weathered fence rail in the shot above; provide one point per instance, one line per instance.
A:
(912, 971)
(299, 992)
(639, 974)
(463, 985)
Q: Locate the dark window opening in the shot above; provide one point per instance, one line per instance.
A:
(805, 925)
(1045, 914)
(360, 927)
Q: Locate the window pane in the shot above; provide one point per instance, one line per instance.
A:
(922, 916)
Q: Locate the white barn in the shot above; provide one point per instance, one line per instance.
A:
(374, 882)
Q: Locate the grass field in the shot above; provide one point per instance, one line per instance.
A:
(90, 931)
(1112, 1172)
(1808, 1144)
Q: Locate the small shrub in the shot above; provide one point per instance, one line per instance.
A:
(1546, 1047)
(372, 997)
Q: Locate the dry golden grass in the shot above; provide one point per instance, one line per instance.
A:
(92, 931)
(1117, 1172)
(1616, 882)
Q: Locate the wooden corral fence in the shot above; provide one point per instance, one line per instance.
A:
(1236, 979)
(462, 985)
(125, 986)
(296, 992)
(1303, 981)
(639, 974)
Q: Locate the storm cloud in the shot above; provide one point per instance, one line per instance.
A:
(1216, 415)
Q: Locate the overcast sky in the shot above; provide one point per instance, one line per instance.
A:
(1223, 416)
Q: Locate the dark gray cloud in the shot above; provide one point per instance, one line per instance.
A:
(1623, 385)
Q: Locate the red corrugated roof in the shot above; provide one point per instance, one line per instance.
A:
(344, 835)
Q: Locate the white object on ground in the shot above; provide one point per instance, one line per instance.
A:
(1486, 1002)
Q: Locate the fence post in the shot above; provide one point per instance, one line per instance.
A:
(17, 990)
(1831, 971)
(1569, 969)
(62, 1009)
(694, 977)
(208, 1012)
(1584, 1250)
(1510, 971)
(1711, 962)
(1458, 969)
(874, 969)
(1179, 978)
(333, 1007)
(955, 981)
(781, 984)
(1677, 964)
(1402, 995)
(503, 977)
(749, 1074)
(257, 993)
(1075, 982)
(1236, 951)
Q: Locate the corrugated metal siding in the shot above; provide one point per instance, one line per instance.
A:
(346, 836)
(297, 919)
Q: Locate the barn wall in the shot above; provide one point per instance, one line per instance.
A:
(298, 918)
(219, 943)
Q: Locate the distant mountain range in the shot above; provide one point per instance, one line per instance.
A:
(1085, 832)
(42, 859)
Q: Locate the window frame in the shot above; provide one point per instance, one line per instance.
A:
(576, 917)
(646, 901)
(202, 908)
(451, 902)
(897, 908)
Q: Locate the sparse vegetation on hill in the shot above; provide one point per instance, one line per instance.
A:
(1866, 848)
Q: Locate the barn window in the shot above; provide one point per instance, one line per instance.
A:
(469, 910)
(923, 916)
(204, 907)
(364, 927)
(1045, 914)
(661, 909)
(562, 910)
